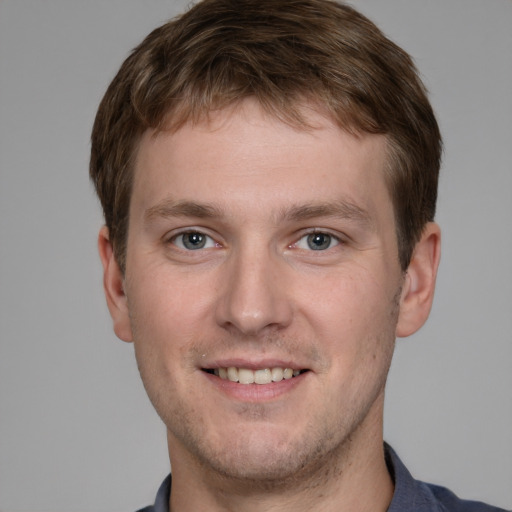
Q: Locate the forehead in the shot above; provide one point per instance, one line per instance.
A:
(243, 156)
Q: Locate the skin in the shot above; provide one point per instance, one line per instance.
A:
(258, 296)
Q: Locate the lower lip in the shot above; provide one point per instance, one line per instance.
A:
(256, 392)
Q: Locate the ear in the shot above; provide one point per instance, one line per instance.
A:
(113, 286)
(420, 281)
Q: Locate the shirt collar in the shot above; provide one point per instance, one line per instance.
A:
(409, 494)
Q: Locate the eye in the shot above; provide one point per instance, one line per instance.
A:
(193, 240)
(317, 241)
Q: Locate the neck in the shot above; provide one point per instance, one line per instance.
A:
(354, 478)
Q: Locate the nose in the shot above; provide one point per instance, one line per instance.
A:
(253, 297)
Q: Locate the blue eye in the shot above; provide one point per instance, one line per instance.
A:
(193, 240)
(317, 241)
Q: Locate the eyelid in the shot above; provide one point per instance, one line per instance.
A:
(339, 238)
(170, 238)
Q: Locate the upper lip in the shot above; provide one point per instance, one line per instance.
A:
(253, 364)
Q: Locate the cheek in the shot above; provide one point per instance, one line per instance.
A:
(353, 314)
(168, 306)
(164, 323)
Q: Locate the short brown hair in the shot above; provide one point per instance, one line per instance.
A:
(283, 53)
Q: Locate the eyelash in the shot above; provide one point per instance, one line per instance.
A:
(209, 242)
(307, 237)
(204, 241)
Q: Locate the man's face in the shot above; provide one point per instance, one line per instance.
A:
(256, 250)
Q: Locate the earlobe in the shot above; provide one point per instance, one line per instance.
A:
(113, 286)
(420, 280)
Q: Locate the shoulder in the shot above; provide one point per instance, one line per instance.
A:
(411, 495)
(449, 502)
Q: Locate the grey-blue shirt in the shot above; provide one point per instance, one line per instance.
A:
(410, 495)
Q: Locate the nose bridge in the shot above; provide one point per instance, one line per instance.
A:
(253, 298)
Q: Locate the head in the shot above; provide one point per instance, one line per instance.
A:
(283, 54)
(268, 171)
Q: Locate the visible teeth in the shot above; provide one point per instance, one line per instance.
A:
(245, 376)
(232, 374)
(277, 374)
(263, 376)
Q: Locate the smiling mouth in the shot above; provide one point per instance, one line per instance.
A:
(248, 376)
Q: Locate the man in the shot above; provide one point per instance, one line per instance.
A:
(268, 174)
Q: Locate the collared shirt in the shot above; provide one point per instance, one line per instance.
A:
(410, 495)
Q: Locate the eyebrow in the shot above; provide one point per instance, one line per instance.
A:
(171, 208)
(342, 209)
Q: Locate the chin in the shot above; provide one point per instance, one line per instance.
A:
(263, 468)
(263, 458)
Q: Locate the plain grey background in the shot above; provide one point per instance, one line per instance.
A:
(77, 432)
